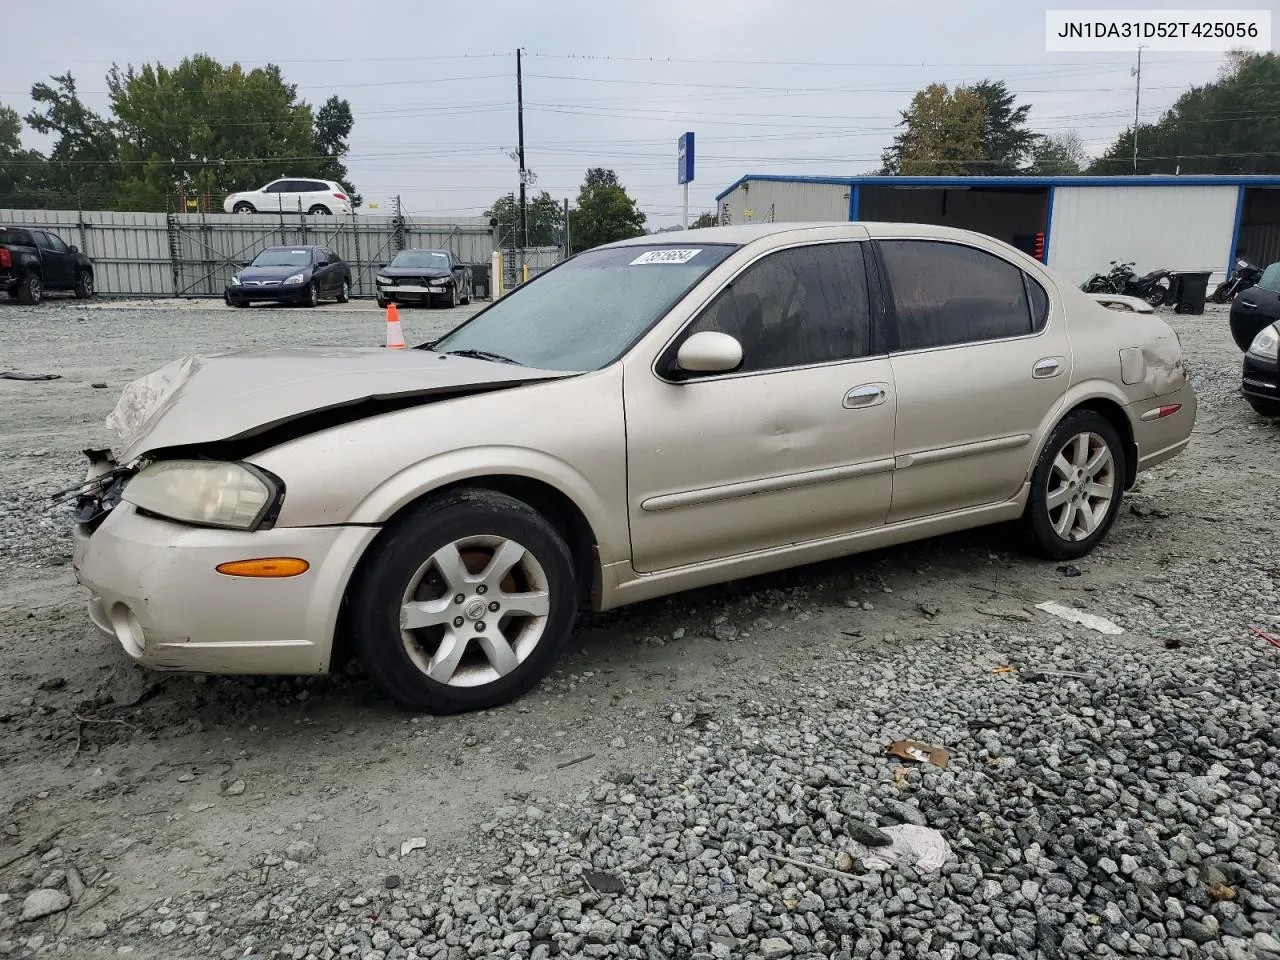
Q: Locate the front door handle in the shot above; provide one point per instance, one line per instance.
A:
(867, 395)
(1048, 367)
(1248, 305)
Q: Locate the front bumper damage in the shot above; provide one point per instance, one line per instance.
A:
(154, 586)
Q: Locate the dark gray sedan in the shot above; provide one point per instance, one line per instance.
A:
(426, 277)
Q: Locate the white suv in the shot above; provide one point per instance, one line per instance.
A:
(292, 195)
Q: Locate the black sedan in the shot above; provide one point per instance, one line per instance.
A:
(1256, 307)
(424, 276)
(303, 274)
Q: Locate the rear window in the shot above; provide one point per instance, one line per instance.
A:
(15, 238)
(1270, 278)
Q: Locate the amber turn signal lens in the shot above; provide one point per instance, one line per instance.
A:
(265, 567)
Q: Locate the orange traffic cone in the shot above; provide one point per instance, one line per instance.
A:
(395, 335)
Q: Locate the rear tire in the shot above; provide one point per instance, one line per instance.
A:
(84, 286)
(30, 290)
(1220, 294)
(467, 299)
(1159, 295)
(344, 294)
(320, 210)
(1067, 514)
(439, 551)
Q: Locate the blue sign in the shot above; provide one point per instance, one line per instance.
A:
(684, 159)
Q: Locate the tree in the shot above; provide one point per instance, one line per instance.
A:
(545, 216)
(1006, 139)
(705, 219)
(215, 129)
(1060, 156)
(83, 164)
(604, 213)
(1222, 127)
(942, 135)
(20, 170)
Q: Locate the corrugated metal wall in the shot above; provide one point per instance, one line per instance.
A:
(194, 255)
(1181, 228)
(998, 213)
(791, 202)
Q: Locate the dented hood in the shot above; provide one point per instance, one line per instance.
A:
(237, 395)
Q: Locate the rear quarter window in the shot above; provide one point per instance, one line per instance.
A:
(15, 238)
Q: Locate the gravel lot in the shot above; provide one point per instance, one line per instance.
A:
(703, 777)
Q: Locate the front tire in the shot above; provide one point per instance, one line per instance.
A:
(1076, 487)
(383, 304)
(465, 603)
(84, 285)
(30, 290)
(312, 297)
(1220, 294)
(467, 299)
(243, 207)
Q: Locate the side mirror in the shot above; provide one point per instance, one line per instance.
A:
(709, 352)
(74, 249)
(382, 266)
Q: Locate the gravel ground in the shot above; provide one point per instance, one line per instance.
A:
(704, 776)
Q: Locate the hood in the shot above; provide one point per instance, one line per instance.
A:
(416, 272)
(272, 273)
(241, 394)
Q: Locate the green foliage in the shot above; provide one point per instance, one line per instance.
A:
(1224, 127)
(545, 216)
(604, 213)
(705, 219)
(19, 168)
(942, 135)
(1006, 140)
(197, 128)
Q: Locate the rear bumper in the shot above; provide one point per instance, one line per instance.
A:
(1163, 438)
(154, 589)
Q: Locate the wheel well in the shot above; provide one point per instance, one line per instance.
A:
(562, 513)
(1115, 415)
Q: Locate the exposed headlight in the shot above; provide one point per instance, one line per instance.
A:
(382, 280)
(235, 281)
(296, 278)
(203, 492)
(1267, 343)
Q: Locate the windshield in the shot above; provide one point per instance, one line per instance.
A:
(584, 314)
(282, 258)
(421, 259)
(1271, 278)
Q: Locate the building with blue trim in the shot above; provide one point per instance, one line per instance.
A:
(1076, 225)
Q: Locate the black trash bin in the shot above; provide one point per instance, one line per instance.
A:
(480, 281)
(1189, 291)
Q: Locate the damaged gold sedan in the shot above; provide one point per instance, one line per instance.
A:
(644, 418)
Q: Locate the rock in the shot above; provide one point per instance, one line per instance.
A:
(391, 882)
(1198, 932)
(301, 851)
(42, 903)
(53, 683)
(99, 385)
(726, 631)
(235, 788)
(97, 929)
(866, 834)
(117, 847)
(412, 844)
(771, 948)
(603, 882)
(905, 813)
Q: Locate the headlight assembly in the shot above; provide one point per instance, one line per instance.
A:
(204, 492)
(296, 278)
(382, 281)
(1266, 344)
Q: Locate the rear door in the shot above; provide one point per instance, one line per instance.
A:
(979, 363)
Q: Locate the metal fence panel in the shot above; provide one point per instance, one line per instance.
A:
(195, 255)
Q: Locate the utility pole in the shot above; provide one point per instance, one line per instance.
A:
(524, 210)
(1137, 100)
(568, 242)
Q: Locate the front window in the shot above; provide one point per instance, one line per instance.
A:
(585, 313)
(421, 260)
(1271, 278)
(283, 258)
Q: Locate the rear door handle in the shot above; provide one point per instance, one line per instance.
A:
(1048, 367)
(867, 395)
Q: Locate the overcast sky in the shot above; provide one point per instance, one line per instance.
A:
(801, 86)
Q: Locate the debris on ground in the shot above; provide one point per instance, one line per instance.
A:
(412, 844)
(1090, 620)
(918, 751)
(923, 848)
(15, 375)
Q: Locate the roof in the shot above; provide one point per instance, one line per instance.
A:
(1160, 180)
(743, 234)
(736, 234)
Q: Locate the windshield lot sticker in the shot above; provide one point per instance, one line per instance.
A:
(666, 256)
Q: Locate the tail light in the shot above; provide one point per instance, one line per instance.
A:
(6, 258)
(341, 196)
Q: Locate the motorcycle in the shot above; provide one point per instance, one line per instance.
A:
(1246, 275)
(1154, 287)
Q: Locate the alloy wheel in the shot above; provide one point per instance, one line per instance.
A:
(1081, 486)
(474, 611)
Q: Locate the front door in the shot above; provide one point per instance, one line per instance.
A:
(978, 367)
(59, 266)
(796, 445)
